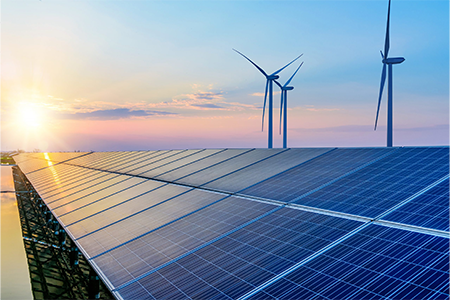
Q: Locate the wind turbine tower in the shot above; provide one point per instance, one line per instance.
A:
(269, 88)
(283, 104)
(389, 61)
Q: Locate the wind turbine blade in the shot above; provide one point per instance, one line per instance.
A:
(383, 79)
(264, 107)
(286, 84)
(386, 41)
(277, 83)
(286, 65)
(261, 70)
(382, 56)
(281, 108)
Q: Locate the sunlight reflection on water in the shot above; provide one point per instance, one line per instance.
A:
(15, 280)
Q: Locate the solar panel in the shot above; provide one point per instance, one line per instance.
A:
(202, 164)
(383, 184)
(130, 162)
(237, 263)
(315, 173)
(142, 255)
(111, 201)
(256, 223)
(147, 163)
(179, 163)
(146, 219)
(378, 262)
(429, 210)
(264, 169)
(227, 166)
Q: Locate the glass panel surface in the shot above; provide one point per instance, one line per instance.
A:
(430, 209)
(142, 157)
(226, 167)
(376, 263)
(163, 162)
(146, 221)
(109, 202)
(199, 165)
(235, 264)
(314, 173)
(180, 162)
(84, 184)
(264, 169)
(72, 195)
(167, 243)
(380, 186)
(71, 204)
(150, 161)
(125, 210)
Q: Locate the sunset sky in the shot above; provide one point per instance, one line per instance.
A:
(145, 75)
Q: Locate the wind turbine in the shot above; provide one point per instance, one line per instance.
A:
(387, 61)
(283, 103)
(269, 86)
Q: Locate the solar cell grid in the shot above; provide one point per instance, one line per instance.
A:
(59, 185)
(144, 156)
(107, 164)
(87, 184)
(161, 246)
(109, 158)
(95, 157)
(147, 219)
(312, 174)
(247, 257)
(264, 169)
(163, 162)
(381, 185)
(87, 196)
(114, 200)
(377, 262)
(117, 213)
(228, 166)
(150, 161)
(430, 209)
(117, 161)
(180, 162)
(201, 164)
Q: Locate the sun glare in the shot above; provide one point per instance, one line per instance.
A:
(30, 117)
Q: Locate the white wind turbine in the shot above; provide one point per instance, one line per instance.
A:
(283, 104)
(269, 86)
(387, 61)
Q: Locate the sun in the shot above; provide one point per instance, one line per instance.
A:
(29, 116)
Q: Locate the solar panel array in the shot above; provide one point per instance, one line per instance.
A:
(325, 223)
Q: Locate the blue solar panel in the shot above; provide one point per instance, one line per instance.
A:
(264, 169)
(431, 209)
(377, 262)
(312, 174)
(145, 218)
(383, 184)
(142, 255)
(244, 259)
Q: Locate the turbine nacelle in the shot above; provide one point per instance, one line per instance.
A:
(393, 60)
(272, 77)
(287, 88)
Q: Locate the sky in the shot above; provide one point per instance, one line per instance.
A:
(145, 75)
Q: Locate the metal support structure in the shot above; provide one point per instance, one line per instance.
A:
(57, 270)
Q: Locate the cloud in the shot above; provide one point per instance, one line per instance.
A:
(208, 105)
(112, 114)
(262, 94)
(323, 109)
